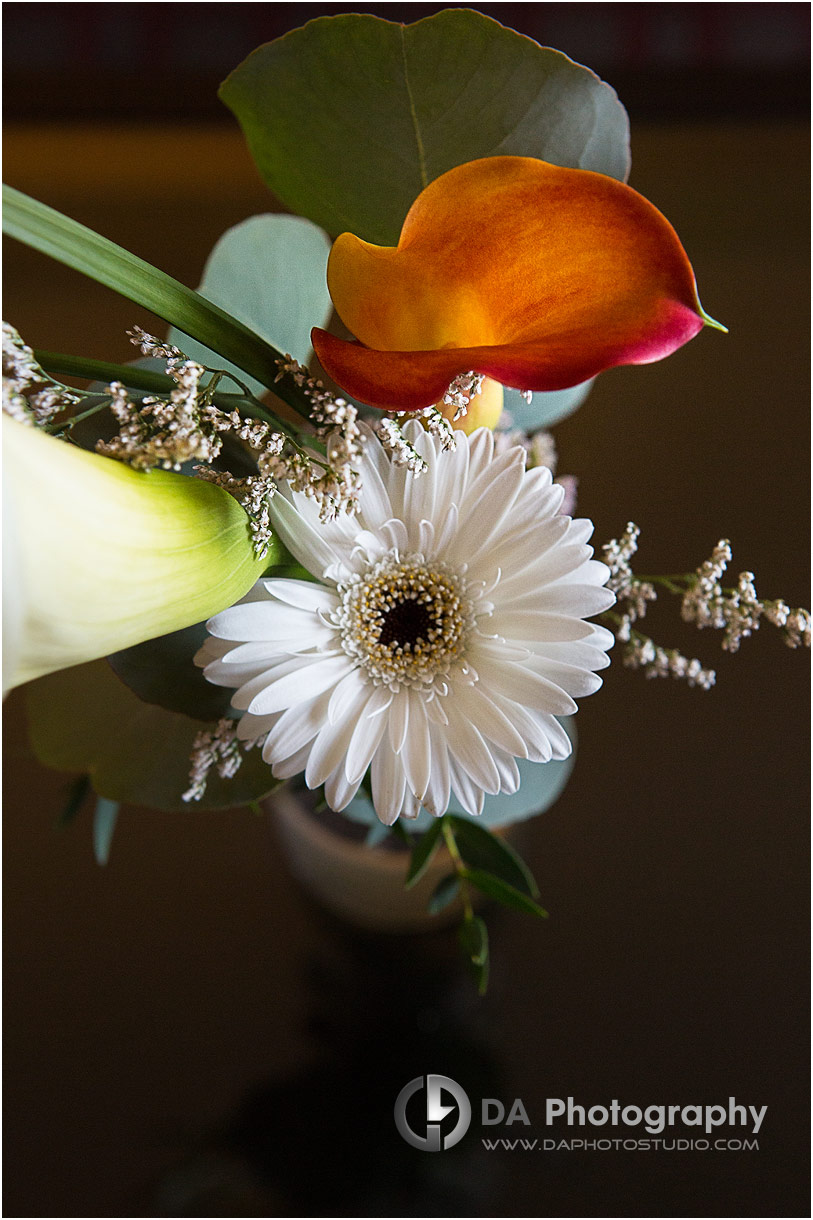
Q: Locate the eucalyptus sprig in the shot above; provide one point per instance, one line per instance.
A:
(481, 862)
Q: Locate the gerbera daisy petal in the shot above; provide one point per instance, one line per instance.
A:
(374, 501)
(483, 514)
(468, 748)
(444, 634)
(339, 790)
(572, 679)
(388, 784)
(303, 594)
(519, 682)
(297, 726)
(508, 771)
(260, 680)
(471, 797)
(581, 653)
(362, 747)
(561, 745)
(416, 751)
(286, 768)
(495, 725)
(300, 683)
(344, 696)
(303, 541)
(536, 624)
(330, 745)
(268, 620)
(436, 797)
(399, 720)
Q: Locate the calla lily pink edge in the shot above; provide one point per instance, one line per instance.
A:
(536, 276)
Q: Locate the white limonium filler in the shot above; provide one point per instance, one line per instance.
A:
(443, 635)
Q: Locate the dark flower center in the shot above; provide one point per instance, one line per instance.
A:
(405, 624)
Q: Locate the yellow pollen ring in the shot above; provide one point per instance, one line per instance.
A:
(405, 622)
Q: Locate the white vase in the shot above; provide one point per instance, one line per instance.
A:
(360, 884)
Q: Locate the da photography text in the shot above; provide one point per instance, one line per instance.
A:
(434, 1112)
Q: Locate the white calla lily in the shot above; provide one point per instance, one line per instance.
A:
(98, 556)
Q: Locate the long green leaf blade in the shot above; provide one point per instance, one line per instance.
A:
(42, 227)
(61, 364)
(423, 852)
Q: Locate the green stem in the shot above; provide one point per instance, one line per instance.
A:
(669, 582)
(77, 419)
(459, 867)
(63, 365)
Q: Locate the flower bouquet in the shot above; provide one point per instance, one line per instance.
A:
(313, 535)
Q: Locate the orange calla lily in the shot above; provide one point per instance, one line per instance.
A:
(536, 276)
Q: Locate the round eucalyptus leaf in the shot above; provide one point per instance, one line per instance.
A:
(350, 117)
(269, 273)
(162, 671)
(545, 410)
(85, 720)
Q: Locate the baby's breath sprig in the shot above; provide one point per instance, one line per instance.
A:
(149, 345)
(189, 425)
(641, 652)
(219, 748)
(166, 432)
(736, 611)
(460, 393)
(389, 431)
(330, 477)
(402, 452)
(31, 395)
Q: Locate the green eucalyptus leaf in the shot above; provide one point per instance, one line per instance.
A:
(423, 852)
(444, 894)
(484, 850)
(350, 117)
(105, 817)
(545, 410)
(474, 939)
(500, 891)
(84, 719)
(376, 835)
(269, 273)
(162, 671)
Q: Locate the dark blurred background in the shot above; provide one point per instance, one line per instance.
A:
(140, 61)
(186, 1034)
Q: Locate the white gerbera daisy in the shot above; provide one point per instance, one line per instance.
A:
(442, 639)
